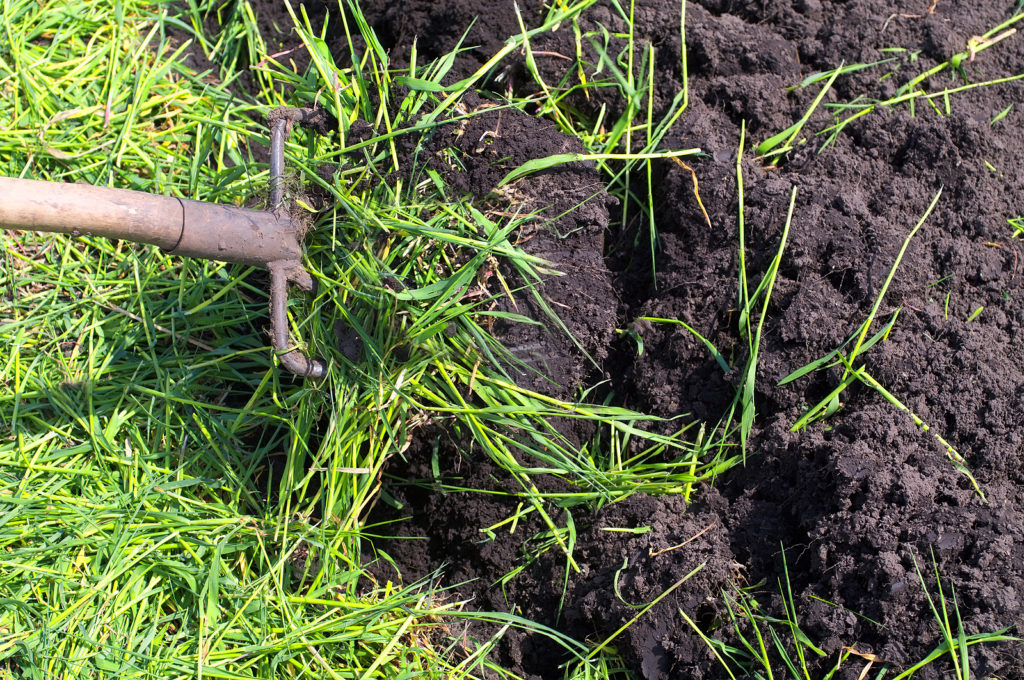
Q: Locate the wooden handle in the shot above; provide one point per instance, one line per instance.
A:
(80, 209)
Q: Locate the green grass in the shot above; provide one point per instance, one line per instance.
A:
(153, 464)
(1017, 223)
(780, 143)
(747, 301)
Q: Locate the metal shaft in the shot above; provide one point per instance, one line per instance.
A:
(278, 133)
(292, 359)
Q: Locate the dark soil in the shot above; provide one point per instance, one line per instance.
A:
(850, 504)
(571, 214)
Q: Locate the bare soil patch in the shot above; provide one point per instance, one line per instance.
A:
(850, 504)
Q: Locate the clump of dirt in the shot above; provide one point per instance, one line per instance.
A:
(437, 28)
(560, 216)
(857, 505)
(564, 213)
(686, 547)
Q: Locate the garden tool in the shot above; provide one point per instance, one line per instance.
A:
(267, 239)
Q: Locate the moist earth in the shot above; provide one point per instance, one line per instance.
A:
(847, 512)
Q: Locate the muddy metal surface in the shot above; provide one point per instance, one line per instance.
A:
(852, 503)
